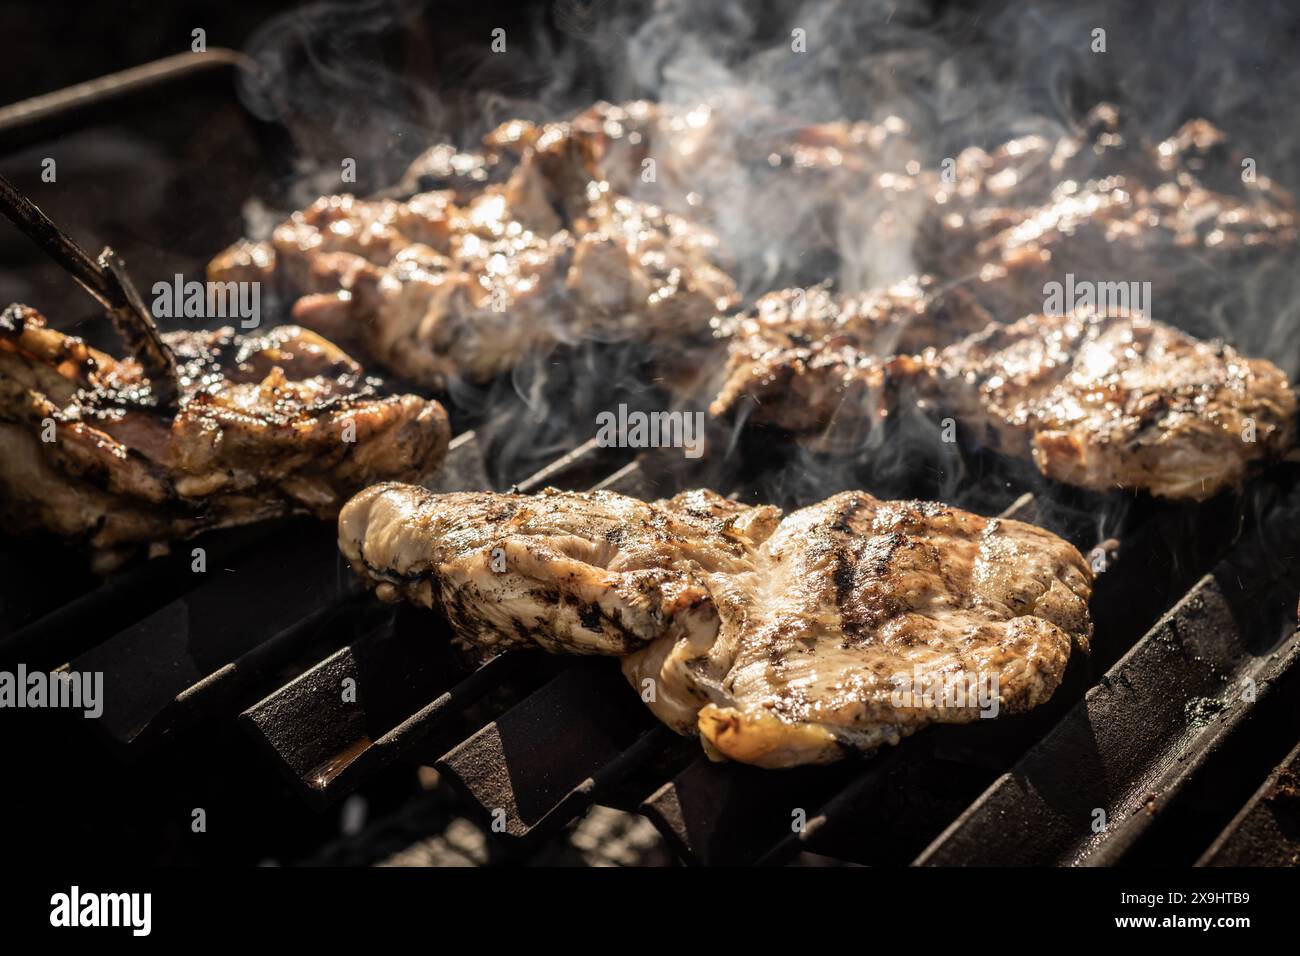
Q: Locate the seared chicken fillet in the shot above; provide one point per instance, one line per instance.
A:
(780, 641)
(840, 197)
(1104, 205)
(806, 360)
(707, 163)
(1105, 402)
(444, 287)
(268, 424)
(595, 573)
(1099, 402)
(610, 226)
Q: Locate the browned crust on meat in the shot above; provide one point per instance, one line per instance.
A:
(779, 641)
(1106, 402)
(806, 360)
(269, 424)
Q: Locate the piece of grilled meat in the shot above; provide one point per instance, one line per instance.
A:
(595, 573)
(836, 198)
(809, 361)
(269, 424)
(779, 641)
(1100, 401)
(1105, 205)
(449, 286)
(824, 187)
(1105, 402)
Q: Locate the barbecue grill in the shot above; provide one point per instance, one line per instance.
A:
(227, 687)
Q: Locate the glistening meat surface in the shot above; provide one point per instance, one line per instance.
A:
(807, 360)
(1105, 402)
(444, 287)
(1097, 401)
(780, 641)
(1105, 204)
(268, 424)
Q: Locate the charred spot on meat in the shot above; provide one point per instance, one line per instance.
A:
(807, 360)
(710, 161)
(1105, 402)
(1096, 400)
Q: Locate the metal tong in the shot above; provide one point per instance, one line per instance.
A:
(106, 279)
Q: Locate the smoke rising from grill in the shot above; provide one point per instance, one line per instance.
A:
(363, 82)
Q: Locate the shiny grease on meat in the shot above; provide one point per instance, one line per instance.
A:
(808, 360)
(1106, 401)
(780, 641)
(1104, 204)
(269, 424)
(448, 286)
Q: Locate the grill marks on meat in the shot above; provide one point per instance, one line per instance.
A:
(809, 360)
(780, 641)
(860, 596)
(270, 424)
(454, 285)
(1097, 401)
(1106, 402)
(552, 233)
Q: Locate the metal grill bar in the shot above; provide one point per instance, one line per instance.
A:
(375, 700)
(1267, 830)
(195, 640)
(724, 814)
(209, 649)
(632, 480)
(462, 469)
(329, 745)
(884, 815)
(495, 773)
(580, 468)
(62, 103)
(123, 600)
(543, 761)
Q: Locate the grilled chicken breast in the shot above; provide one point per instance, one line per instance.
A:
(862, 607)
(706, 163)
(1097, 401)
(452, 286)
(807, 360)
(1105, 402)
(1104, 205)
(780, 641)
(826, 188)
(595, 573)
(268, 424)
(1101, 401)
